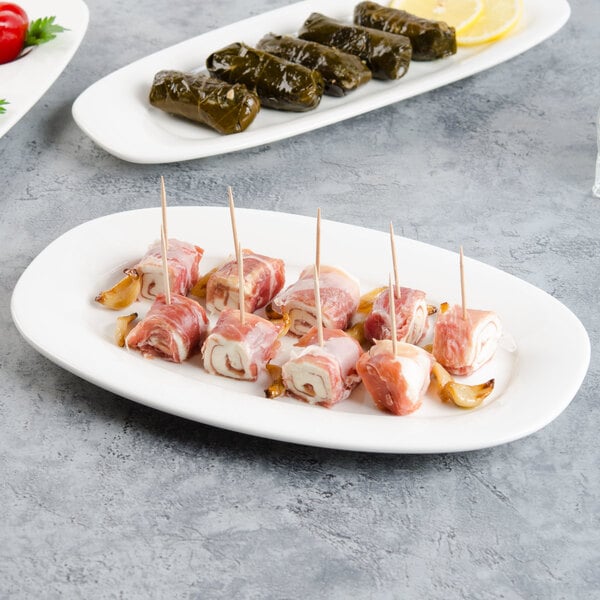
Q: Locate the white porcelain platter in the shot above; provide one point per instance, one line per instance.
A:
(535, 380)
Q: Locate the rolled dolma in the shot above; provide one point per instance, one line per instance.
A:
(341, 72)
(430, 39)
(226, 108)
(279, 83)
(386, 54)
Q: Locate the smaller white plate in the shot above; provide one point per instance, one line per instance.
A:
(53, 308)
(116, 114)
(25, 80)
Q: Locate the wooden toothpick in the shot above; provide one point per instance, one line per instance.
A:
(318, 245)
(165, 267)
(462, 284)
(393, 318)
(395, 260)
(242, 294)
(163, 204)
(318, 307)
(236, 243)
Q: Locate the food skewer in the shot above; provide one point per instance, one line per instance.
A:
(318, 243)
(263, 276)
(236, 243)
(464, 338)
(339, 293)
(410, 310)
(462, 284)
(393, 318)
(318, 307)
(165, 267)
(242, 297)
(395, 261)
(163, 204)
(164, 240)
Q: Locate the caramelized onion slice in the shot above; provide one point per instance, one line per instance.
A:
(199, 290)
(124, 326)
(271, 313)
(123, 293)
(283, 320)
(465, 396)
(357, 332)
(431, 309)
(276, 388)
(365, 304)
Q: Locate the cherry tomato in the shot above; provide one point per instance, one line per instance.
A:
(13, 29)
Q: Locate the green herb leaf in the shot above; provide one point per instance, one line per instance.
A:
(3, 103)
(41, 31)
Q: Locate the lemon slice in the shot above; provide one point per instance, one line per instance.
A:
(497, 19)
(456, 13)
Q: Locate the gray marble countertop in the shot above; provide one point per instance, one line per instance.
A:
(103, 498)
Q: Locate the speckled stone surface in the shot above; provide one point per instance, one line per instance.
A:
(104, 498)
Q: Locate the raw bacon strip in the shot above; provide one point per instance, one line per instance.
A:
(240, 351)
(183, 261)
(263, 278)
(411, 317)
(340, 294)
(170, 331)
(464, 345)
(323, 375)
(397, 382)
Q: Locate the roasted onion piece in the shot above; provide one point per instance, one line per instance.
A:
(123, 293)
(357, 331)
(279, 83)
(365, 304)
(199, 290)
(224, 107)
(124, 326)
(277, 388)
(465, 396)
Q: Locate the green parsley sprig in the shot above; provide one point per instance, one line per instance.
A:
(42, 30)
(3, 103)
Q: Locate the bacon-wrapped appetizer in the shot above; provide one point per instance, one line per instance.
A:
(411, 317)
(263, 279)
(325, 374)
(396, 382)
(183, 260)
(462, 345)
(170, 331)
(237, 350)
(340, 294)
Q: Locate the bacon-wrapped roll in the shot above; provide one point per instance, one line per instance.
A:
(240, 351)
(411, 317)
(464, 345)
(324, 374)
(170, 331)
(263, 279)
(183, 260)
(396, 382)
(340, 294)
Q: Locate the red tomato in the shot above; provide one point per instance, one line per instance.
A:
(13, 29)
